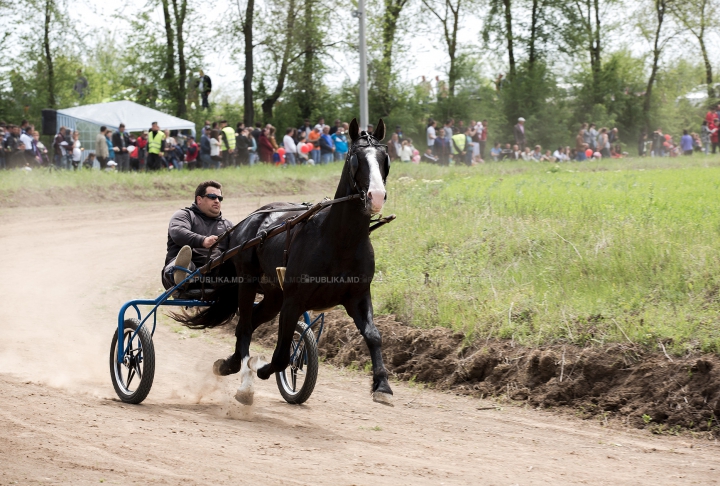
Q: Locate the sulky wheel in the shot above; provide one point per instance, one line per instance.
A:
(297, 381)
(133, 378)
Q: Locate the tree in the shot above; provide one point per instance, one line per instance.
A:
(49, 14)
(583, 30)
(181, 93)
(499, 21)
(448, 13)
(384, 76)
(282, 45)
(698, 17)
(659, 40)
(246, 22)
(174, 28)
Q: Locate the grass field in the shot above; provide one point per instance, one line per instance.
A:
(64, 187)
(589, 253)
(581, 253)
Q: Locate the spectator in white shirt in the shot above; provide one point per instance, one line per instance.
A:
(431, 136)
(406, 151)
(290, 146)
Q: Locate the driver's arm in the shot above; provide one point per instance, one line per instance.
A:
(180, 230)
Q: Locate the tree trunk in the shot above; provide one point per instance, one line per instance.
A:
(247, 28)
(532, 55)
(453, 73)
(657, 48)
(182, 78)
(269, 102)
(306, 101)
(595, 62)
(48, 54)
(708, 69)
(170, 53)
(509, 36)
(393, 8)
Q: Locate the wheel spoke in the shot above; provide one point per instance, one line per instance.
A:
(293, 378)
(131, 375)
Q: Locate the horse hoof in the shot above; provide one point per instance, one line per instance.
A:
(383, 398)
(264, 372)
(245, 396)
(221, 368)
(216, 367)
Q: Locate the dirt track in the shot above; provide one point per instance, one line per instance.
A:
(66, 271)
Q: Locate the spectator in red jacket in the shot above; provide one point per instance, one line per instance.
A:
(712, 114)
(265, 148)
(715, 136)
(191, 155)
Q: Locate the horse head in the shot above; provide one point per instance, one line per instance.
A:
(368, 165)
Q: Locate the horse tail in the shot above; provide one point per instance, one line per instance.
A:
(220, 312)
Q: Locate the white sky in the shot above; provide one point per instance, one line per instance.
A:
(421, 47)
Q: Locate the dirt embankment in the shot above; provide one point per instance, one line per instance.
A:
(616, 382)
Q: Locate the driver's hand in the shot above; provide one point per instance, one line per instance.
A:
(209, 241)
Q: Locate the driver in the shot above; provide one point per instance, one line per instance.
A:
(192, 231)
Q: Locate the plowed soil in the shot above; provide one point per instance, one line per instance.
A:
(66, 271)
(615, 383)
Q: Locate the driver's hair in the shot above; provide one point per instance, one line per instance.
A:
(202, 188)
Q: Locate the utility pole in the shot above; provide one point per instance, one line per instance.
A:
(360, 14)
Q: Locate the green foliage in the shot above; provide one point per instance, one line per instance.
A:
(622, 83)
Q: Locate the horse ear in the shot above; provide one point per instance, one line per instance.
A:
(379, 132)
(354, 130)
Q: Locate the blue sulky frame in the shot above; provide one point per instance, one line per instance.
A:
(164, 300)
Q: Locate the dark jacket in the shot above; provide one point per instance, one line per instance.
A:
(190, 226)
(120, 143)
(207, 84)
(205, 145)
(10, 144)
(326, 144)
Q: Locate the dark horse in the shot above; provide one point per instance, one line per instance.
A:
(330, 262)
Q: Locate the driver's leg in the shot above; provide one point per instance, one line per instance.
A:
(172, 277)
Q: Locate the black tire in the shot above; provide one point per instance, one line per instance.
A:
(139, 361)
(304, 366)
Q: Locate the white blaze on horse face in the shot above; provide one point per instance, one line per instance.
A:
(376, 189)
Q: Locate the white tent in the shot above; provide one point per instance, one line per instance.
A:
(135, 117)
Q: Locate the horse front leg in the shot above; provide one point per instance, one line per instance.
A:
(361, 312)
(289, 315)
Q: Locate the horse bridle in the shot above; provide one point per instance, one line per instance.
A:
(351, 159)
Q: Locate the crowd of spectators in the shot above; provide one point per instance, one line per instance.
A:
(466, 144)
(664, 145)
(221, 145)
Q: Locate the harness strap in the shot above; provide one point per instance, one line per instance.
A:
(270, 232)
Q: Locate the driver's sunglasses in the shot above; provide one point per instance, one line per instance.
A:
(213, 197)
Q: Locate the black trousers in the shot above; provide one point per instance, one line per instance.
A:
(154, 162)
